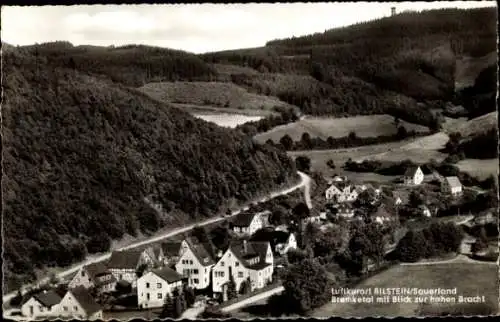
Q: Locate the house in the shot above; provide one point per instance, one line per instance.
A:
(344, 210)
(195, 263)
(245, 261)
(94, 275)
(248, 223)
(153, 287)
(341, 191)
(125, 264)
(281, 242)
(413, 176)
(452, 186)
(171, 252)
(42, 305)
(382, 215)
(79, 304)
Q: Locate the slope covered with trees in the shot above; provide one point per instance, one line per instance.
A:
(86, 161)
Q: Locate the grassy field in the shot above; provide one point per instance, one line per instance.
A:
(419, 150)
(363, 126)
(215, 110)
(478, 125)
(210, 93)
(470, 279)
(479, 168)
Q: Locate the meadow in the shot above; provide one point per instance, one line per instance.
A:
(323, 127)
(479, 168)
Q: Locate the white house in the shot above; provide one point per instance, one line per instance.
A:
(195, 263)
(345, 211)
(42, 305)
(124, 265)
(94, 275)
(153, 287)
(79, 304)
(248, 223)
(341, 191)
(425, 211)
(452, 186)
(244, 261)
(413, 176)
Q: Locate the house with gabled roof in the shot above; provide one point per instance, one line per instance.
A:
(413, 176)
(79, 304)
(195, 264)
(452, 185)
(247, 223)
(154, 286)
(341, 191)
(125, 264)
(95, 275)
(43, 304)
(245, 261)
(400, 197)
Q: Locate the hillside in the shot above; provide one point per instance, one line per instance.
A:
(131, 65)
(478, 125)
(410, 57)
(219, 94)
(82, 155)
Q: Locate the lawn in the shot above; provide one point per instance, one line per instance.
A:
(479, 168)
(363, 126)
(470, 279)
(417, 150)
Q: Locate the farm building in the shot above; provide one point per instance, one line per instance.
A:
(452, 185)
(413, 176)
(40, 305)
(153, 287)
(248, 223)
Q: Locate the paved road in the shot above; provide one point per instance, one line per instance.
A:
(253, 299)
(304, 182)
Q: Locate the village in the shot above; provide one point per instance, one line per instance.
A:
(208, 270)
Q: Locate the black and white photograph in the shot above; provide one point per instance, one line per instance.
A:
(249, 161)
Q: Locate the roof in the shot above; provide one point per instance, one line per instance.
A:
(253, 248)
(168, 274)
(341, 185)
(85, 300)
(126, 259)
(410, 172)
(258, 266)
(171, 248)
(453, 182)
(274, 237)
(48, 298)
(243, 219)
(201, 253)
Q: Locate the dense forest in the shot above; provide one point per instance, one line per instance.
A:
(87, 160)
(382, 66)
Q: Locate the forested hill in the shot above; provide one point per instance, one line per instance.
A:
(410, 54)
(81, 155)
(131, 65)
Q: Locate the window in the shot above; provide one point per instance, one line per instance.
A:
(65, 308)
(147, 296)
(237, 264)
(75, 308)
(40, 308)
(195, 271)
(158, 285)
(121, 276)
(185, 272)
(240, 274)
(196, 281)
(147, 285)
(83, 273)
(191, 262)
(160, 296)
(221, 263)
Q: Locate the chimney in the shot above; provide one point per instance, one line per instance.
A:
(245, 246)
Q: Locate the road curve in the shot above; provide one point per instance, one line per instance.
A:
(304, 182)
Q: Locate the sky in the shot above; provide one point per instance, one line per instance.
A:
(196, 28)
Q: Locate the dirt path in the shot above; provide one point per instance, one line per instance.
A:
(456, 260)
(253, 299)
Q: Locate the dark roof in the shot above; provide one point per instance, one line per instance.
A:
(243, 220)
(258, 266)
(201, 253)
(341, 185)
(127, 259)
(48, 298)
(96, 269)
(253, 248)
(171, 248)
(168, 274)
(410, 172)
(274, 237)
(86, 300)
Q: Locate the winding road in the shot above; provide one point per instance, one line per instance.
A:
(305, 182)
